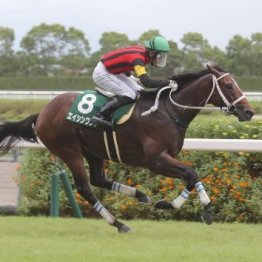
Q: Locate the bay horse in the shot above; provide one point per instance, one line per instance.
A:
(151, 138)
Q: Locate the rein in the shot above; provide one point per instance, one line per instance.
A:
(215, 85)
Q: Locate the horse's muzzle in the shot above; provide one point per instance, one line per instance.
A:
(244, 114)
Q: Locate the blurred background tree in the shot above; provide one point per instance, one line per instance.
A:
(7, 59)
(52, 49)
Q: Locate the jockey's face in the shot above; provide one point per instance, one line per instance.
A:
(158, 59)
(152, 57)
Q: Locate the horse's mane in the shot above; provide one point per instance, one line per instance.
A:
(186, 78)
(183, 80)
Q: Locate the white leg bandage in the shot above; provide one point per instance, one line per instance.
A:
(179, 201)
(130, 191)
(204, 199)
(104, 213)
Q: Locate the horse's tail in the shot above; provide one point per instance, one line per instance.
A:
(13, 132)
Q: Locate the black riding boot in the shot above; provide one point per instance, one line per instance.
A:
(104, 116)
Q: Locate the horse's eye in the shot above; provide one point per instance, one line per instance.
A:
(229, 86)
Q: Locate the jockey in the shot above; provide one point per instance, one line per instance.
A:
(112, 74)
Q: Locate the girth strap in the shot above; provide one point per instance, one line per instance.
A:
(111, 146)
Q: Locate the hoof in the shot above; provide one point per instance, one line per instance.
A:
(206, 215)
(162, 204)
(145, 200)
(122, 228)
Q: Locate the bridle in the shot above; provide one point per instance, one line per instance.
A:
(230, 107)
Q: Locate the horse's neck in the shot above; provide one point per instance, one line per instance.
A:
(195, 94)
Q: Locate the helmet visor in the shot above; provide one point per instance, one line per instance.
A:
(161, 59)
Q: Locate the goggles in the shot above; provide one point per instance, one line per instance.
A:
(161, 59)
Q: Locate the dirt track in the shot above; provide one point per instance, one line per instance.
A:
(8, 186)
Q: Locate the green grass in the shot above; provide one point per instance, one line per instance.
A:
(47, 239)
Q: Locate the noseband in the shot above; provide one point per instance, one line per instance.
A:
(230, 107)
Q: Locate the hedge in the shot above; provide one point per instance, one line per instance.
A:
(233, 180)
(41, 83)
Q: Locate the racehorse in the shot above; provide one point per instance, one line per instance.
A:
(151, 138)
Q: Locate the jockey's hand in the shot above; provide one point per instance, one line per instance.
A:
(139, 83)
(173, 85)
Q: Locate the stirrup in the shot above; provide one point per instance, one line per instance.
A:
(102, 122)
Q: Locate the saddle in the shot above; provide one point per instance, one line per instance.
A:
(89, 103)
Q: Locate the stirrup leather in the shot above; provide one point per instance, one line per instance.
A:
(102, 122)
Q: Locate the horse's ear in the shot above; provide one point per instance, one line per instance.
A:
(208, 67)
(213, 70)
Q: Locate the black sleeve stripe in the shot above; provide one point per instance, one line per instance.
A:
(138, 62)
(151, 83)
(121, 54)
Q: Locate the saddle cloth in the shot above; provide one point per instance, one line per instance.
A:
(89, 103)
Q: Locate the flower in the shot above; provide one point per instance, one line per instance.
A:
(243, 184)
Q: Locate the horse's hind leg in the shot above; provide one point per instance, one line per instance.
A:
(75, 162)
(97, 178)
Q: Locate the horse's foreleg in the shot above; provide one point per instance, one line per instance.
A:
(168, 166)
(192, 179)
(97, 178)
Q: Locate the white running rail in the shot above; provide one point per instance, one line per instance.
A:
(199, 144)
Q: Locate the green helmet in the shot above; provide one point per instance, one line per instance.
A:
(157, 43)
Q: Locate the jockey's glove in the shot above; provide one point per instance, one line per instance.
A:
(173, 84)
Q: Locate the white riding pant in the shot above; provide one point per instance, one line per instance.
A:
(117, 84)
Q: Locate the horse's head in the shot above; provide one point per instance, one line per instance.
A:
(228, 94)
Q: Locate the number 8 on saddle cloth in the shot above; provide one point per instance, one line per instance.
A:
(89, 103)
